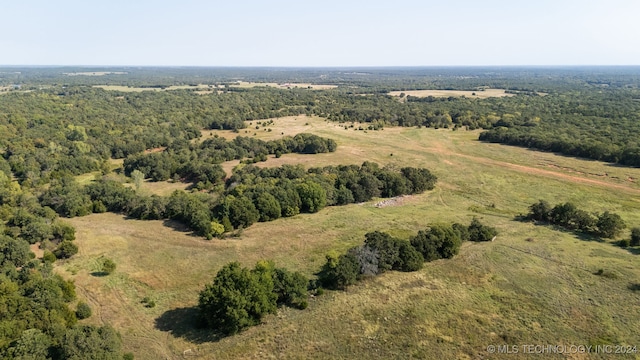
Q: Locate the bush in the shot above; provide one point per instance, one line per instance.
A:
(480, 232)
(437, 242)
(291, 288)
(148, 302)
(65, 250)
(339, 272)
(635, 237)
(48, 257)
(83, 310)
(108, 266)
(410, 258)
(625, 243)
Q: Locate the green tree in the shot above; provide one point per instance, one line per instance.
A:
(13, 252)
(291, 288)
(33, 344)
(480, 232)
(268, 207)
(339, 271)
(90, 342)
(83, 310)
(313, 197)
(242, 212)
(138, 178)
(437, 242)
(635, 237)
(610, 224)
(409, 258)
(386, 247)
(65, 249)
(237, 298)
(540, 211)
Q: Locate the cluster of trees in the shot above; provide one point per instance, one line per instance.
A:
(568, 216)
(36, 321)
(381, 252)
(342, 184)
(240, 297)
(199, 162)
(36, 316)
(251, 194)
(24, 220)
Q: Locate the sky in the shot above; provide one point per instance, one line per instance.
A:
(320, 33)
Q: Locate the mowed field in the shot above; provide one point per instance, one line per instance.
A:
(534, 285)
(480, 94)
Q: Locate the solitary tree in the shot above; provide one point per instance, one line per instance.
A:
(237, 298)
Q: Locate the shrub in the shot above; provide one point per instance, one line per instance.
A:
(480, 232)
(65, 250)
(438, 241)
(108, 266)
(339, 272)
(635, 237)
(48, 257)
(83, 310)
(290, 287)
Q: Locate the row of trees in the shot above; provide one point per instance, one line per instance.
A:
(381, 252)
(567, 215)
(252, 194)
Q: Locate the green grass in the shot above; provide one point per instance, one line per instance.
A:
(533, 285)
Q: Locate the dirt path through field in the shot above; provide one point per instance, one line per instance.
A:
(536, 171)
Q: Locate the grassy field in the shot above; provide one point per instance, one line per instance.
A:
(244, 84)
(533, 285)
(480, 94)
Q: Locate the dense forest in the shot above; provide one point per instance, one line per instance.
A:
(55, 124)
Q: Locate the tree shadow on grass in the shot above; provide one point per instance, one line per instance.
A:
(180, 227)
(634, 250)
(187, 324)
(634, 287)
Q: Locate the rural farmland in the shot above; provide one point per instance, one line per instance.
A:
(361, 226)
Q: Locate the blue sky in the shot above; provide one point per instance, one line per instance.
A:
(320, 33)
